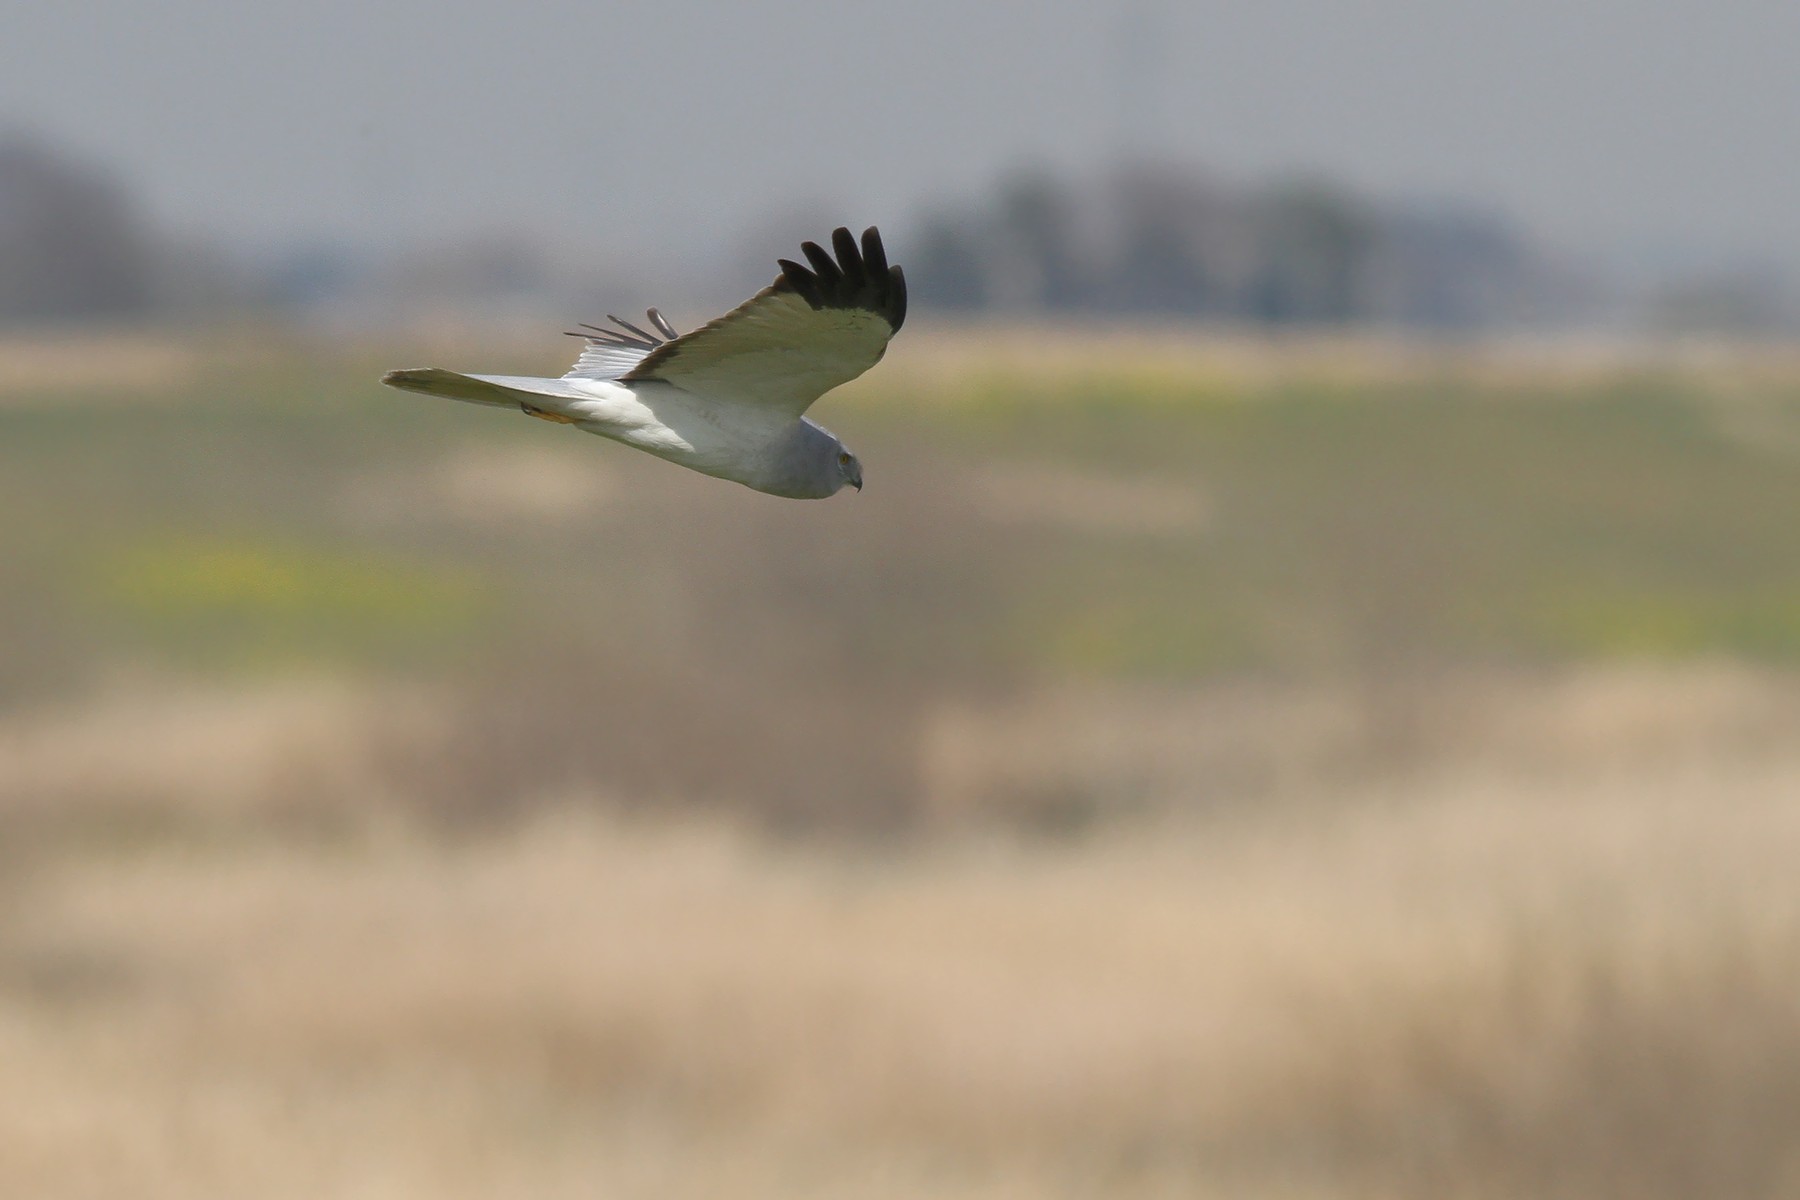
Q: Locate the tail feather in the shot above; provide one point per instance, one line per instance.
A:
(498, 391)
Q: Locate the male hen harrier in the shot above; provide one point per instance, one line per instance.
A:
(728, 399)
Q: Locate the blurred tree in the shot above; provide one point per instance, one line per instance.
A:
(945, 268)
(71, 246)
(1176, 239)
(1445, 268)
(1039, 262)
(1158, 239)
(1745, 303)
(1315, 247)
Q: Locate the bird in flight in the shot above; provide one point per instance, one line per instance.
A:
(728, 399)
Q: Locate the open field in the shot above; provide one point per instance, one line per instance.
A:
(1227, 769)
(1454, 989)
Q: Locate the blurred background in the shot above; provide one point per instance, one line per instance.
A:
(1308, 705)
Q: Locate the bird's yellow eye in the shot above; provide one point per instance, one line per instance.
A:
(843, 460)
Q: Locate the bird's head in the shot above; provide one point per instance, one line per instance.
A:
(813, 464)
(849, 469)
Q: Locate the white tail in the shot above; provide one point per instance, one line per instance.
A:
(542, 397)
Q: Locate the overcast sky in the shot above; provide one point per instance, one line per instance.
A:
(1614, 126)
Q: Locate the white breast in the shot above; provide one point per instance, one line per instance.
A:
(736, 442)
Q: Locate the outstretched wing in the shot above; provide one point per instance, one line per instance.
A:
(796, 339)
(610, 353)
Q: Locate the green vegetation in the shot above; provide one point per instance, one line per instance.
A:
(296, 511)
(250, 604)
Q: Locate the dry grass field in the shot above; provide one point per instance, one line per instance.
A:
(1289, 772)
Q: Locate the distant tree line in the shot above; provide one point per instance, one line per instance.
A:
(70, 243)
(75, 246)
(1142, 240)
(1152, 240)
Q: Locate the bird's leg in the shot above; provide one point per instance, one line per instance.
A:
(541, 415)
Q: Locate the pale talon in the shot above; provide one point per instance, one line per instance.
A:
(541, 415)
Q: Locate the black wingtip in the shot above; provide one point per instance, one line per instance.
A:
(823, 265)
(850, 260)
(801, 281)
(896, 310)
(855, 278)
(874, 257)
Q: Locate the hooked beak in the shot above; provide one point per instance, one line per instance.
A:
(856, 481)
